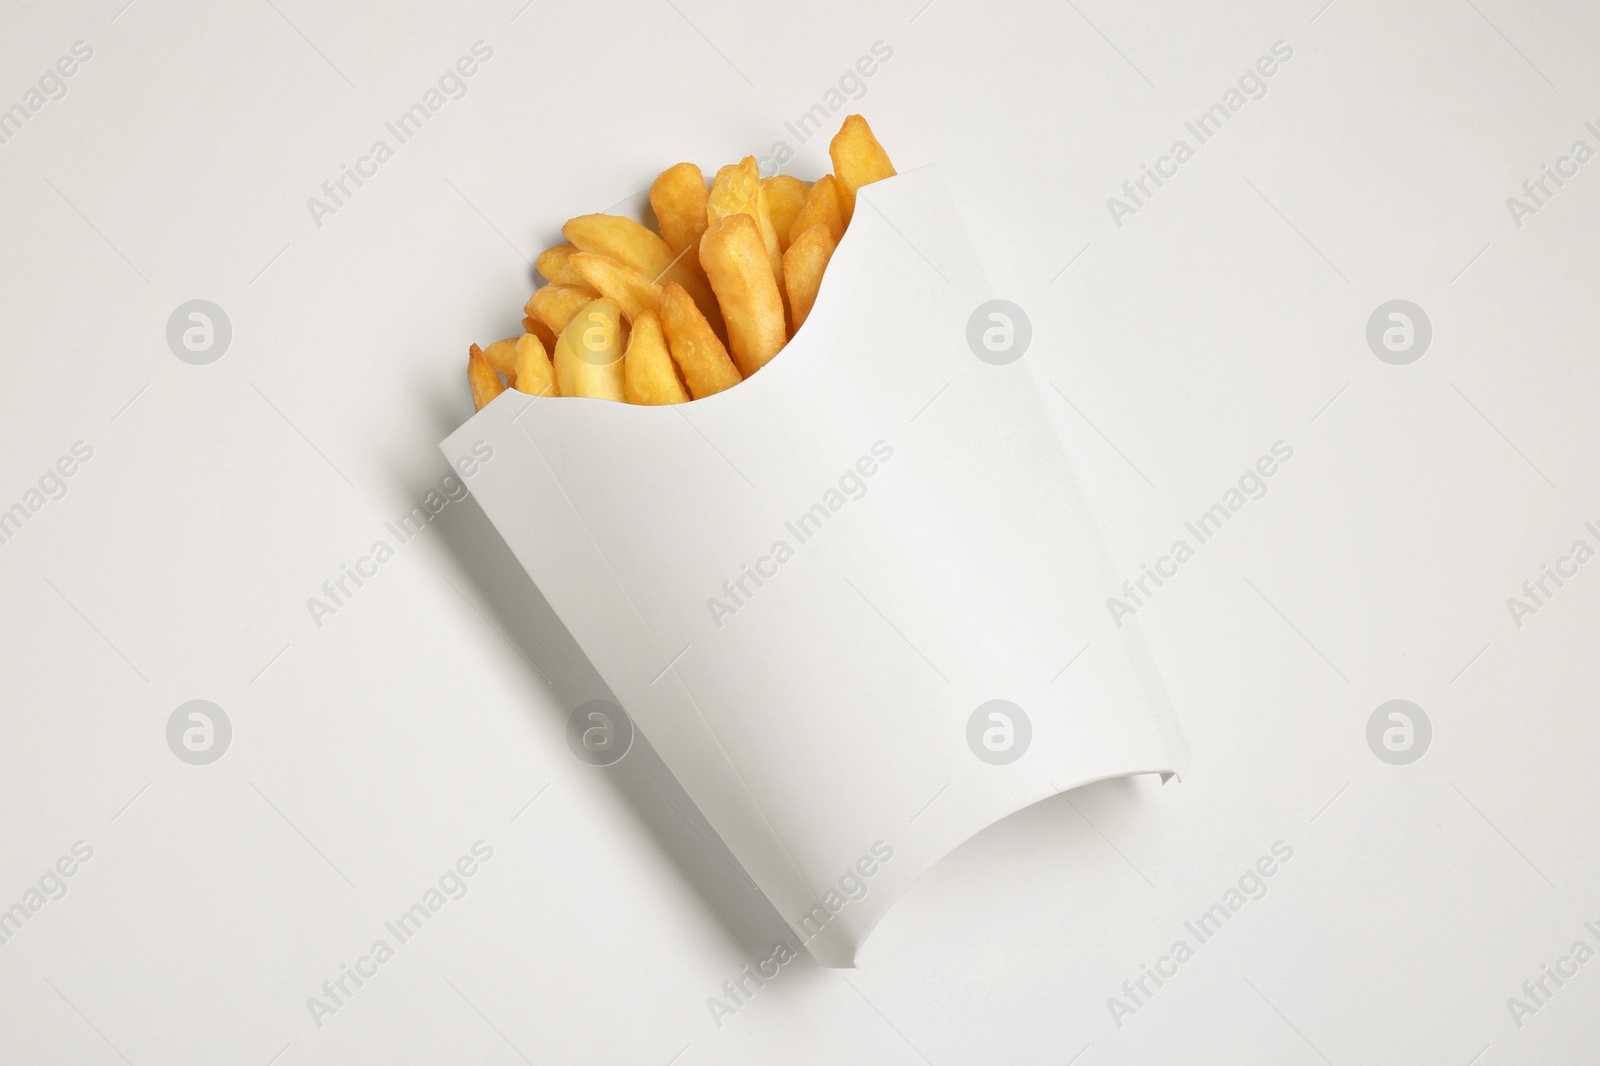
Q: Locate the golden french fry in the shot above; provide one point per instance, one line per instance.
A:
(738, 189)
(734, 190)
(822, 205)
(630, 290)
(535, 375)
(735, 261)
(502, 355)
(588, 358)
(622, 239)
(786, 195)
(686, 271)
(858, 159)
(546, 335)
(803, 265)
(554, 305)
(481, 376)
(553, 264)
(695, 348)
(648, 373)
(678, 197)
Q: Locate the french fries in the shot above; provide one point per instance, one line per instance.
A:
(858, 159)
(555, 264)
(822, 205)
(644, 317)
(786, 195)
(622, 239)
(588, 359)
(648, 373)
(695, 347)
(481, 376)
(554, 305)
(630, 290)
(502, 356)
(735, 259)
(678, 198)
(738, 190)
(546, 335)
(803, 265)
(535, 374)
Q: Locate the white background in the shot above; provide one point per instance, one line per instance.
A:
(368, 754)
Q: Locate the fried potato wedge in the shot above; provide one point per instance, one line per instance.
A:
(786, 195)
(554, 305)
(678, 197)
(622, 239)
(481, 376)
(695, 348)
(649, 375)
(554, 264)
(738, 190)
(858, 159)
(822, 205)
(502, 355)
(630, 290)
(803, 265)
(536, 375)
(735, 261)
(589, 353)
(546, 335)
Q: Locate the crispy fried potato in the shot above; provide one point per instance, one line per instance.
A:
(734, 190)
(553, 264)
(554, 305)
(622, 239)
(481, 376)
(738, 189)
(858, 159)
(686, 271)
(678, 197)
(735, 260)
(648, 373)
(535, 374)
(502, 355)
(803, 265)
(822, 205)
(786, 195)
(546, 335)
(700, 356)
(630, 290)
(588, 358)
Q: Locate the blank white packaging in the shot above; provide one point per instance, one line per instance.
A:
(805, 589)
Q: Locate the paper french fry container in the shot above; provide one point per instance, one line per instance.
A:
(838, 597)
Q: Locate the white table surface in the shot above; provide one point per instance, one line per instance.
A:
(1227, 313)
